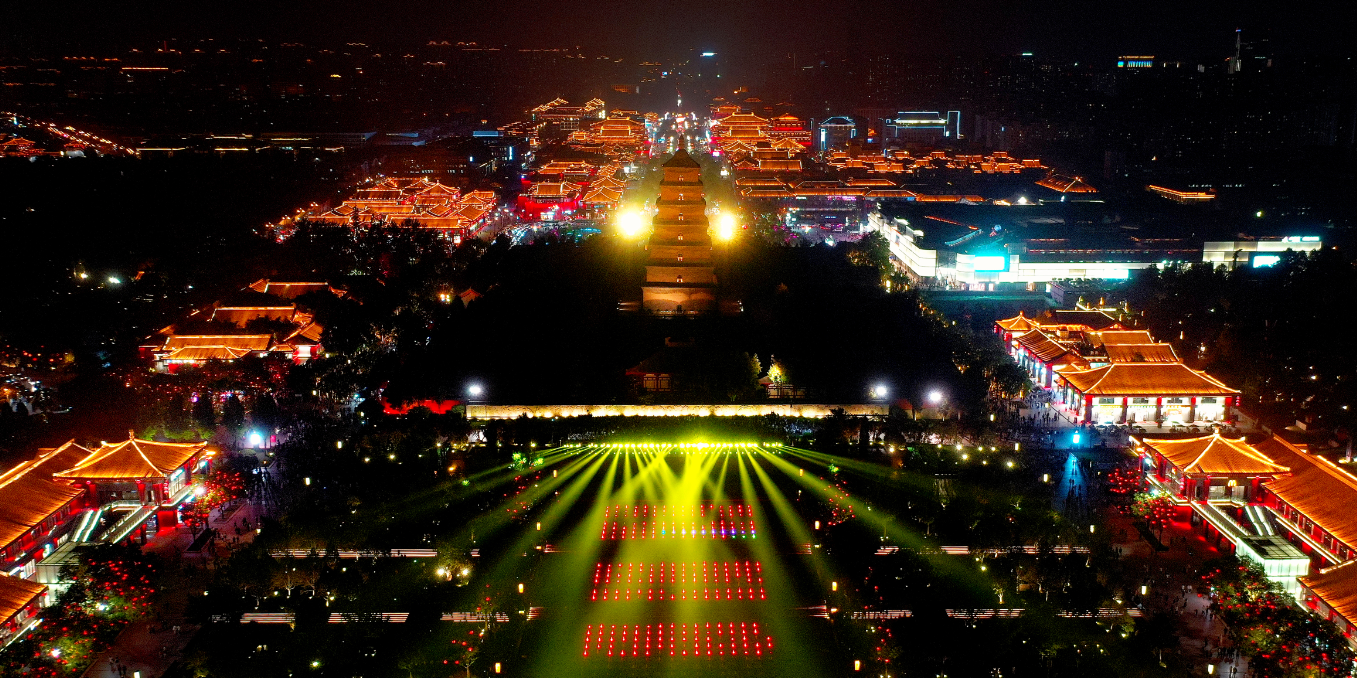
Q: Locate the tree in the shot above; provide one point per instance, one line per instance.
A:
(204, 414)
(265, 412)
(233, 414)
(1123, 482)
(176, 413)
(1156, 511)
(1279, 638)
(873, 250)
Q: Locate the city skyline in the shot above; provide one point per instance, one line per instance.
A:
(752, 30)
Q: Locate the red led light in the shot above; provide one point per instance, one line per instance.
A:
(733, 509)
(678, 581)
(723, 639)
(692, 529)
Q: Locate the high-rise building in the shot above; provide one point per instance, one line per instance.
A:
(924, 126)
(835, 133)
(1135, 61)
(680, 277)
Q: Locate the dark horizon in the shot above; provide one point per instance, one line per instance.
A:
(756, 29)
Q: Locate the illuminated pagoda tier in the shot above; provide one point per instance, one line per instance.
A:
(680, 278)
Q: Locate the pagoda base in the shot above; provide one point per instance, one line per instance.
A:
(678, 300)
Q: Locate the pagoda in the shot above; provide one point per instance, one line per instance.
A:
(680, 277)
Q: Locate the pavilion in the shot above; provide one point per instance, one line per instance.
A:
(148, 478)
(1209, 468)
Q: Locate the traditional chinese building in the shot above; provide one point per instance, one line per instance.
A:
(145, 480)
(1042, 357)
(1222, 483)
(788, 127)
(1313, 504)
(1331, 593)
(1154, 393)
(1210, 467)
(411, 202)
(569, 118)
(36, 512)
(1098, 371)
(1271, 502)
(69, 495)
(21, 601)
(680, 277)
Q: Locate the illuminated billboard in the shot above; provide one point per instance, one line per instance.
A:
(991, 262)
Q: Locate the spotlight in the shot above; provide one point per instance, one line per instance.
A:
(630, 223)
(725, 227)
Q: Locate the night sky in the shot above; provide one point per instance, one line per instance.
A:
(1193, 30)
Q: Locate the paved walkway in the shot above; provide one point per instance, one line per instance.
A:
(173, 543)
(1172, 579)
(141, 650)
(151, 647)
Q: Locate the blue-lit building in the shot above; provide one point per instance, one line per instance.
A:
(834, 133)
(924, 126)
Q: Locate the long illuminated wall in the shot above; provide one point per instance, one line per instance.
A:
(813, 411)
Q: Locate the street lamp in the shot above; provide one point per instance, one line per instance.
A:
(475, 390)
(934, 397)
(880, 391)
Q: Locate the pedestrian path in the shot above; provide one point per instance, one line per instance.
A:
(150, 647)
(143, 649)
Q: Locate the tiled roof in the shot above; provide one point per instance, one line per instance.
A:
(247, 342)
(28, 495)
(549, 188)
(480, 196)
(206, 353)
(1094, 320)
(742, 119)
(1140, 379)
(1069, 362)
(1041, 345)
(133, 458)
(1316, 487)
(759, 181)
(1124, 337)
(289, 290)
(1141, 353)
(1018, 323)
(1336, 586)
(1216, 455)
(681, 159)
(239, 315)
(15, 594)
(49, 460)
(438, 189)
(310, 333)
